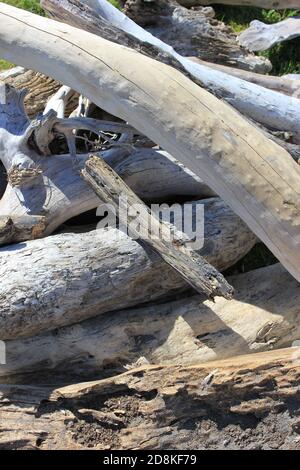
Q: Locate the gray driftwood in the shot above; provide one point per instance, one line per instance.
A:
(171, 245)
(251, 173)
(66, 278)
(262, 316)
(35, 181)
(260, 36)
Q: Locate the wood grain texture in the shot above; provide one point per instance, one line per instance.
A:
(264, 315)
(251, 173)
(225, 404)
(69, 277)
(172, 246)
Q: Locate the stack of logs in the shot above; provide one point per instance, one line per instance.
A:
(162, 105)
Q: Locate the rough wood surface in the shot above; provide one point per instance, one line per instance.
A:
(250, 99)
(35, 180)
(39, 89)
(264, 315)
(248, 402)
(251, 173)
(14, 230)
(260, 36)
(170, 244)
(188, 31)
(68, 277)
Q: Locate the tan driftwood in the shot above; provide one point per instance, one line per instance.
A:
(264, 315)
(39, 89)
(251, 173)
(14, 230)
(250, 99)
(171, 245)
(66, 278)
(225, 404)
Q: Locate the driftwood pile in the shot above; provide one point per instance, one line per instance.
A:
(159, 103)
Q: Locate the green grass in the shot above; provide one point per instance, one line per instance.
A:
(115, 3)
(285, 57)
(30, 5)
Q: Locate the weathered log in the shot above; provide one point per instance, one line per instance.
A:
(260, 36)
(29, 227)
(189, 32)
(39, 192)
(253, 174)
(164, 239)
(39, 89)
(63, 279)
(155, 176)
(268, 4)
(263, 315)
(250, 99)
(289, 86)
(248, 402)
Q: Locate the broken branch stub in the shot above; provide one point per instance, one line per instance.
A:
(166, 241)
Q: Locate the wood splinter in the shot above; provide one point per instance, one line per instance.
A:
(170, 245)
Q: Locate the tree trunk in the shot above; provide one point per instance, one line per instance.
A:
(248, 402)
(95, 266)
(251, 173)
(263, 316)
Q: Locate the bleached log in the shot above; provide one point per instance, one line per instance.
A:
(254, 175)
(218, 405)
(262, 316)
(260, 36)
(172, 247)
(189, 32)
(265, 106)
(35, 183)
(267, 4)
(66, 278)
(290, 85)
